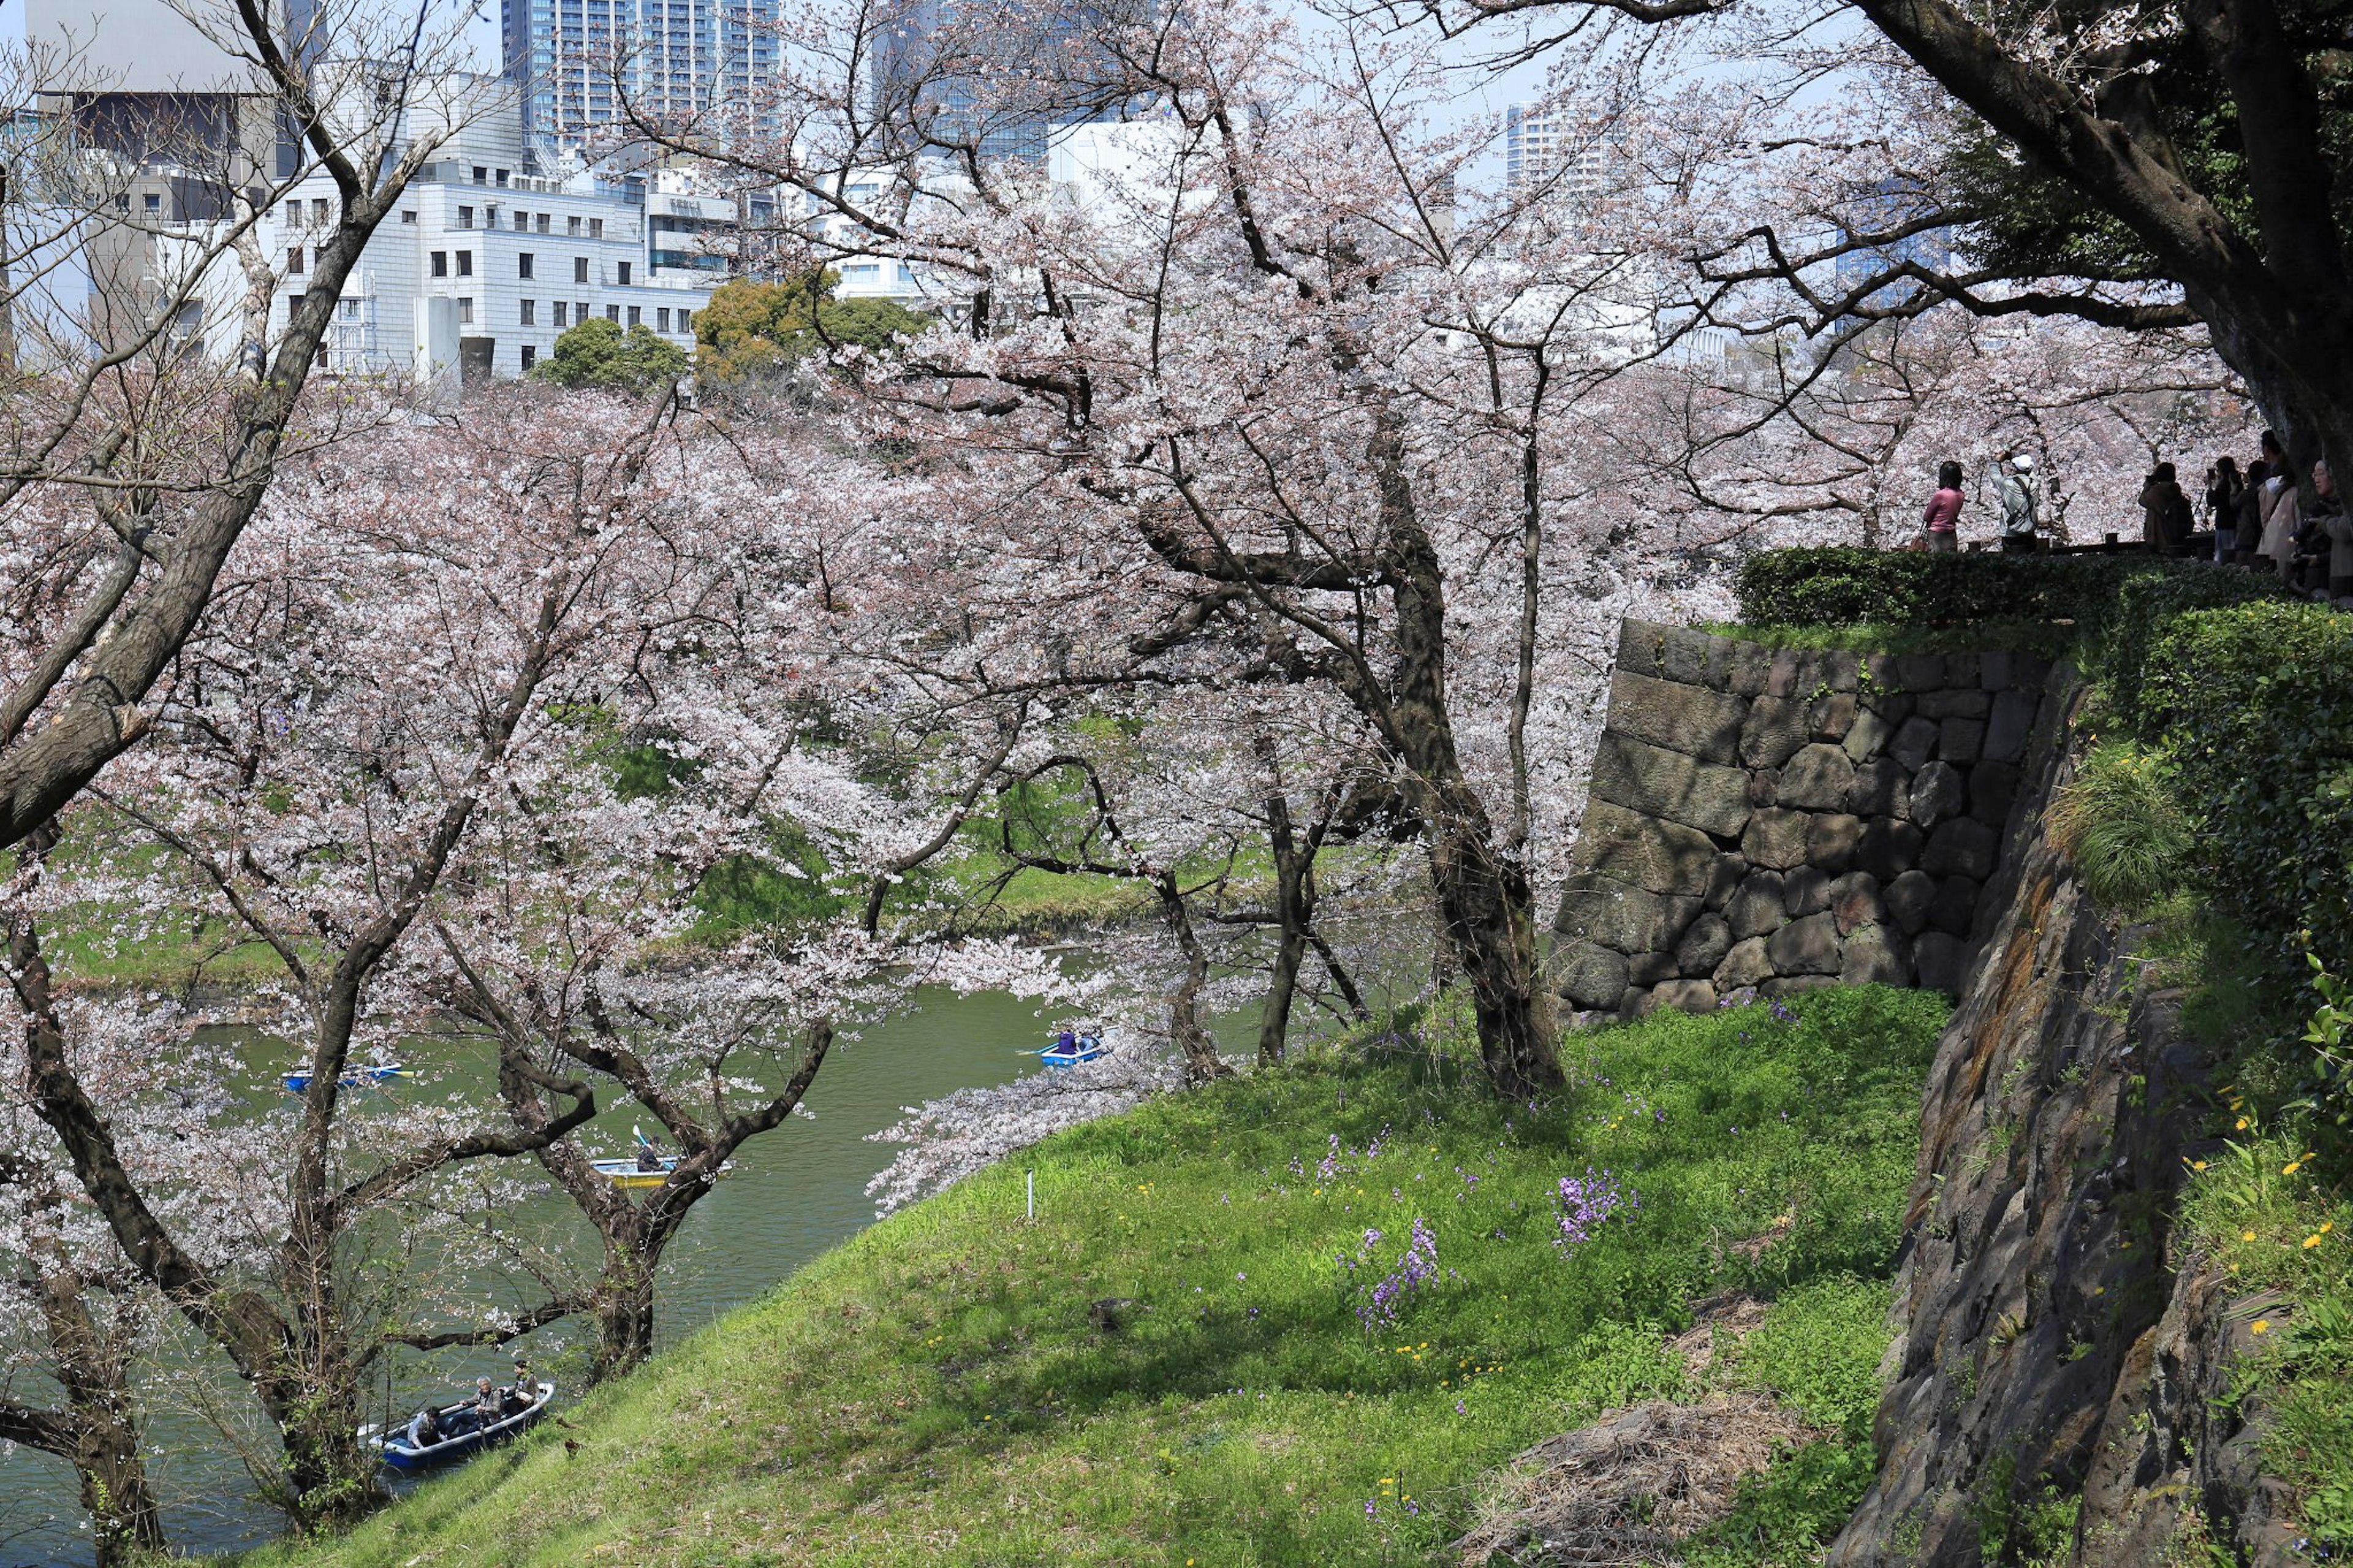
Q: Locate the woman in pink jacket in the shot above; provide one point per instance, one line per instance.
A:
(1941, 520)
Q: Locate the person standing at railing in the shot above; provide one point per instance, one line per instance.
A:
(2223, 488)
(1940, 521)
(2014, 494)
(2164, 512)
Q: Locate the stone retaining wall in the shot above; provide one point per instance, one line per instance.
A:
(1778, 819)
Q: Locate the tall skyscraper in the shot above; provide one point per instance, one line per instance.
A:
(671, 58)
(1000, 74)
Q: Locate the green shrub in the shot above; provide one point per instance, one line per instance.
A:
(2144, 604)
(2118, 819)
(1842, 586)
(1817, 1350)
(2256, 704)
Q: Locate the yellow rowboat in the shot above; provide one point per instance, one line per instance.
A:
(626, 1172)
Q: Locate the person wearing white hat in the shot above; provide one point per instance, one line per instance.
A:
(2015, 495)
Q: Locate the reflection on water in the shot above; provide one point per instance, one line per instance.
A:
(795, 1193)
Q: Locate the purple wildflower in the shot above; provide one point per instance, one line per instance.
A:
(1585, 1202)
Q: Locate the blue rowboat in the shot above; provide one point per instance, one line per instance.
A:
(379, 1072)
(1086, 1048)
(399, 1453)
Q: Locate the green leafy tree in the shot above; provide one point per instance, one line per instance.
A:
(752, 329)
(601, 354)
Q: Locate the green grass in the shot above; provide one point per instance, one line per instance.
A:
(935, 1393)
(2119, 820)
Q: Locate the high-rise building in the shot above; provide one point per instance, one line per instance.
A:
(1000, 75)
(1546, 143)
(670, 57)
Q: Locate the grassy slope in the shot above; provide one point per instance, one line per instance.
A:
(935, 1392)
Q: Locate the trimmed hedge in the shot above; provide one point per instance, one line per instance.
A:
(1841, 587)
(2255, 708)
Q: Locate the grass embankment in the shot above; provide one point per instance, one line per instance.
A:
(939, 1391)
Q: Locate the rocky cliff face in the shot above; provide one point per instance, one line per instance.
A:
(1778, 819)
(2055, 1343)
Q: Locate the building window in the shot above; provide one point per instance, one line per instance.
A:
(522, 221)
(319, 211)
(661, 321)
(408, 215)
(294, 212)
(542, 222)
(530, 358)
(440, 264)
(634, 317)
(465, 312)
(154, 203)
(482, 174)
(580, 311)
(580, 269)
(465, 217)
(561, 307)
(465, 264)
(503, 177)
(686, 321)
(293, 260)
(351, 309)
(613, 314)
(596, 228)
(571, 226)
(530, 317)
(523, 264)
(623, 273)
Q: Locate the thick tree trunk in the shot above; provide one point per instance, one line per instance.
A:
(330, 1480)
(92, 1366)
(125, 1525)
(1292, 909)
(624, 1307)
(1202, 1063)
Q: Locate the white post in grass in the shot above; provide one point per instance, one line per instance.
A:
(1031, 1181)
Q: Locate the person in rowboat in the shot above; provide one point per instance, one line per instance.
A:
(1064, 1041)
(424, 1428)
(648, 1162)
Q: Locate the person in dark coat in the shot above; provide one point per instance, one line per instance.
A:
(2164, 513)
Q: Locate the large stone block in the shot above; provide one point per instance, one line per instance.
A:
(1806, 891)
(1855, 901)
(1758, 909)
(1774, 730)
(1745, 964)
(1941, 961)
(1832, 716)
(1918, 672)
(1723, 877)
(1833, 839)
(1587, 974)
(1908, 899)
(1939, 793)
(1993, 789)
(1694, 658)
(1776, 838)
(1649, 968)
(1960, 739)
(1875, 955)
(1890, 847)
(1798, 984)
(1683, 996)
(1994, 671)
(1687, 719)
(1868, 736)
(2009, 724)
(1817, 778)
(1809, 946)
(1642, 647)
(1915, 743)
(1704, 946)
(1745, 666)
(1620, 917)
(1882, 788)
(1961, 847)
(1955, 906)
(1657, 856)
(1955, 703)
(1658, 783)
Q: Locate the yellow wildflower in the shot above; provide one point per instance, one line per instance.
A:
(2260, 1326)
